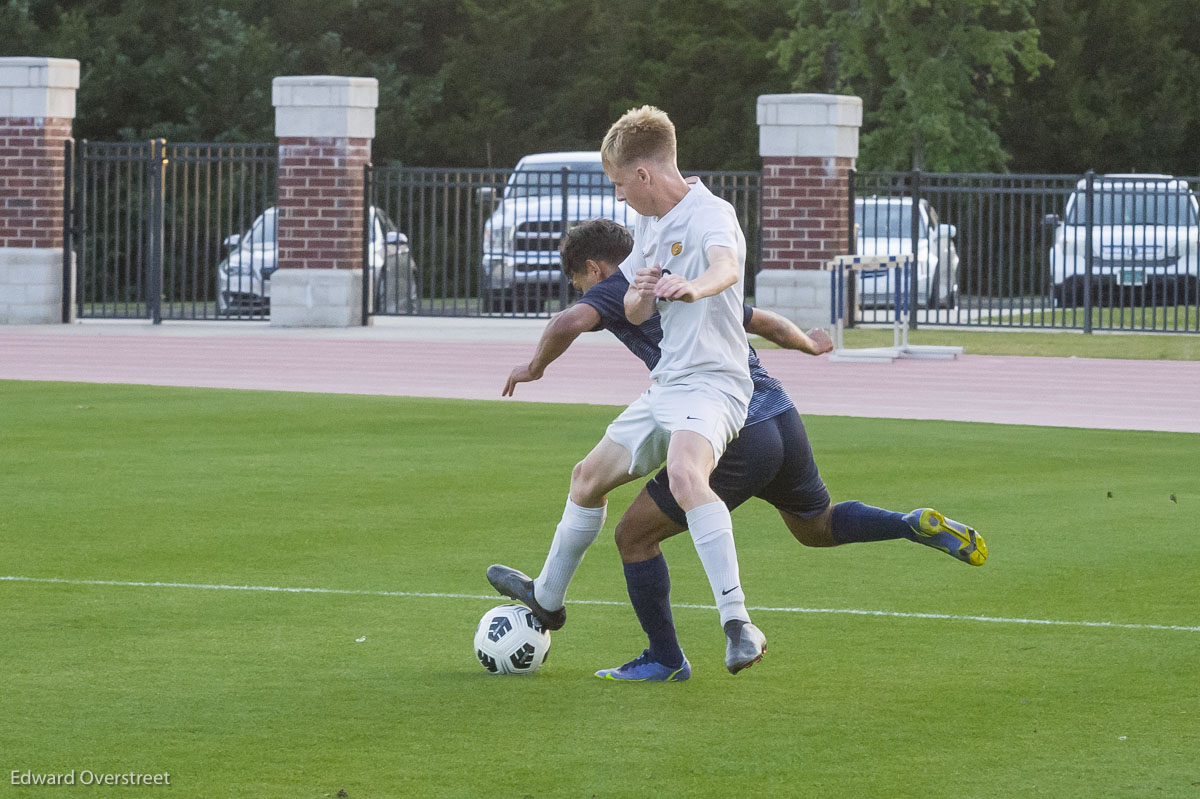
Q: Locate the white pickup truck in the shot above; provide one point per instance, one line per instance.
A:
(545, 194)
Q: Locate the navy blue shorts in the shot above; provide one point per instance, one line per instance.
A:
(771, 460)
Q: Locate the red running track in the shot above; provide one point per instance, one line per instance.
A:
(1093, 393)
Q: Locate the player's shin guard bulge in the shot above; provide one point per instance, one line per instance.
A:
(954, 538)
(575, 533)
(712, 533)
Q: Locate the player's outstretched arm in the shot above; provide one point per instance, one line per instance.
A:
(722, 272)
(558, 336)
(784, 332)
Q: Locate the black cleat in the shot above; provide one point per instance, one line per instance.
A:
(517, 585)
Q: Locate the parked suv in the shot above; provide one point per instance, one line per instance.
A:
(545, 194)
(884, 227)
(244, 276)
(1145, 240)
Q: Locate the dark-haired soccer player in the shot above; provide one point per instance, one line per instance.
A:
(771, 459)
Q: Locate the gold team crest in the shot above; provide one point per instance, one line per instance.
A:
(677, 248)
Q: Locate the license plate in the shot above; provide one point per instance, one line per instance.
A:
(1133, 277)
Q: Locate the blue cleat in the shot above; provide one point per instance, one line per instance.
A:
(954, 538)
(643, 669)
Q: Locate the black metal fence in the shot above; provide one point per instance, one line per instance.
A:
(1090, 252)
(170, 230)
(187, 231)
(485, 242)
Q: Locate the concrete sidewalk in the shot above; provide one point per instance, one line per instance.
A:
(471, 359)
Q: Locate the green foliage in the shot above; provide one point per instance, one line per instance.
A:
(965, 85)
(529, 75)
(465, 83)
(929, 72)
(1122, 95)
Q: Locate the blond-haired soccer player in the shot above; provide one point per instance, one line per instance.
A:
(688, 263)
(770, 459)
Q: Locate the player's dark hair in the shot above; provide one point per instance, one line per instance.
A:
(596, 239)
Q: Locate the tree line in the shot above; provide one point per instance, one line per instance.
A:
(948, 85)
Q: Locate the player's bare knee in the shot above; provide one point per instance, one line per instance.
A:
(585, 486)
(687, 482)
(816, 531)
(637, 543)
(630, 544)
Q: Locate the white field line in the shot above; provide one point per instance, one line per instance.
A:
(431, 595)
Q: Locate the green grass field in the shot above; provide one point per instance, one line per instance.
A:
(256, 693)
(1061, 344)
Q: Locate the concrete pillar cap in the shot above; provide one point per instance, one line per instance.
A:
(809, 125)
(324, 106)
(37, 88)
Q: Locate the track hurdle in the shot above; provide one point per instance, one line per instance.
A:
(840, 269)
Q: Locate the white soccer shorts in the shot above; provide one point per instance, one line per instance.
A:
(645, 427)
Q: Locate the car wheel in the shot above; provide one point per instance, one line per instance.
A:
(499, 301)
(1186, 289)
(1069, 294)
(383, 304)
(391, 298)
(414, 286)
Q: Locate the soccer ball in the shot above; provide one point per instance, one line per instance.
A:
(510, 640)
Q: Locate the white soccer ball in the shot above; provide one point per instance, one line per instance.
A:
(510, 640)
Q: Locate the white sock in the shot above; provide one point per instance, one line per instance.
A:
(712, 533)
(574, 534)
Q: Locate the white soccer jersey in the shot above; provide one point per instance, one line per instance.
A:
(702, 340)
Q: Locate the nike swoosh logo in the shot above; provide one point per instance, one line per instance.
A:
(698, 419)
(723, 593)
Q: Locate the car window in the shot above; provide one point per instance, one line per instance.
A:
(262, 232)
(1136, 207)
(546, 179)
(388, 225)
(885, 220)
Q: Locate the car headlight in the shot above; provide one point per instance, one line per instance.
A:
(500, 271)
(499, 238)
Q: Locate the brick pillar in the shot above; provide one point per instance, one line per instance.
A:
(809, 143)
(37, 107)
(325, 126)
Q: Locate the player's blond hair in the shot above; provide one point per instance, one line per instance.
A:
(645, 133)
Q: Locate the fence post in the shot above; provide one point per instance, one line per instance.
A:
(68, 232)
(368, 285)
(1088, 258)
(851, 246)
(154, 230)
(563, 291)
(916, 238)
(37, 108)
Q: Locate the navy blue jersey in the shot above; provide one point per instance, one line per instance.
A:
(608, 298)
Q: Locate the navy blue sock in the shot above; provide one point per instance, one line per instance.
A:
(649, 584)
(854, 522)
